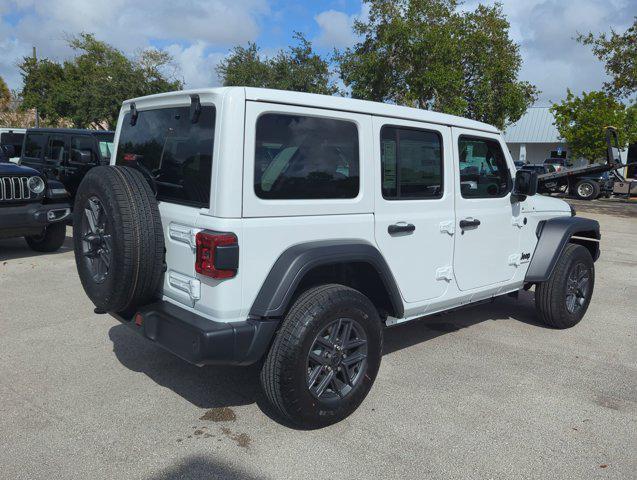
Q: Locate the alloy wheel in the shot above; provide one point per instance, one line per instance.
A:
(337, 360)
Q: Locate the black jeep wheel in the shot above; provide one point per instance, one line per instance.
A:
(118, 238)
(324, 358)
(562, 301)
(50, 240)
(587, 190)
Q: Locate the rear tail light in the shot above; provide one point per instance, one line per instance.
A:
(217, 254)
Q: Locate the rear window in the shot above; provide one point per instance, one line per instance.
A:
(174, 151)
(34, 145)
(302, 157)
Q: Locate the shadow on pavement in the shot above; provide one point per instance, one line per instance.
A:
(201, 468)
(218, 386)
(17, 248)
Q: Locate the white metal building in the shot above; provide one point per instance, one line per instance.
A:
(533, 137)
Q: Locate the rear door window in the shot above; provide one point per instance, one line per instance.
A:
(175, 152)
(56, 150)
(304, 157)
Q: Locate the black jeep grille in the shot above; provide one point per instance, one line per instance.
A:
(14, 188)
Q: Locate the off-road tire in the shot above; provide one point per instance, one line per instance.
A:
(550, 296)
(284, 372)
(136, 238)
(51, 239)
(592, 187)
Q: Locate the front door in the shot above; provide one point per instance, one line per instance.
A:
(414, 217)
(487, 239)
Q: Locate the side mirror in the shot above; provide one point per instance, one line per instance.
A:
(525, 184)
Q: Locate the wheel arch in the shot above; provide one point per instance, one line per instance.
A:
(553, 236)
(352, 263)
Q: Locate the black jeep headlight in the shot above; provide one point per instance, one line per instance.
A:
(36, 185)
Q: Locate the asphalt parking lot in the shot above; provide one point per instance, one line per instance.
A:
(484, 392)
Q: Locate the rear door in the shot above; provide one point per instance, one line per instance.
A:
(414, 214)
(487, 240)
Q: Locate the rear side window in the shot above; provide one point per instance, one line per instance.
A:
(174, 151)
(483, 168)
(34, 145)
(411, 164)
(302, 157)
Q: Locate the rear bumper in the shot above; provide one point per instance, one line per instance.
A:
(200, 341)
(33, 215)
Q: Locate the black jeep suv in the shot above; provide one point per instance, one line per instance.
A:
(32, 207)
(66, 154)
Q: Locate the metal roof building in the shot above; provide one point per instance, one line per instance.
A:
(534, 138)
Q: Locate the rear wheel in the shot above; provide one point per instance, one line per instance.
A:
(118, 238)
(324, 358)
(587, 190)
(562, 301)
(50, 240)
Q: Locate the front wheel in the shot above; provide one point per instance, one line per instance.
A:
(50, 240)
(562, 301)
(324, 358)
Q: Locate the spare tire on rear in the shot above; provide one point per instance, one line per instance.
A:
(118, 239)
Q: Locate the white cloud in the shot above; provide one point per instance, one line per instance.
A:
(336, 27)
(195, 26)
(196, 66)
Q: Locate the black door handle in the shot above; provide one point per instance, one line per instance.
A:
(469, 223)
(401, 228)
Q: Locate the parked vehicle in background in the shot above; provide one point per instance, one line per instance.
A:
(560, 164)
(32, 207)
(589, 181)
(236, 225)
(66, 154)
(13, 137)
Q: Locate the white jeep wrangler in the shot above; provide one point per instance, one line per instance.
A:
(239, 225)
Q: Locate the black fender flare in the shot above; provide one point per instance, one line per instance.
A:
(292, 265)
(553, 235)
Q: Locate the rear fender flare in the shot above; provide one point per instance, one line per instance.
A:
(294, 263)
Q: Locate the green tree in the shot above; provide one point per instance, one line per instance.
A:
(619, 53)
(5, 96)
(581, 121)
(298, 68)
(429, 54)
(89, 88)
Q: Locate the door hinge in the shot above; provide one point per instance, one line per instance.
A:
(515, 259)
(184, 283)
(448, 227)
(444, 273)
(183, 234)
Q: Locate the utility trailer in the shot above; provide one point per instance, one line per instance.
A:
(594, 180)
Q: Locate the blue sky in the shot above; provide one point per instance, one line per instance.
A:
(199, 33)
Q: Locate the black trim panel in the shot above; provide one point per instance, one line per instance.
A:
(554, 234)
(290, 268)
(200, 341)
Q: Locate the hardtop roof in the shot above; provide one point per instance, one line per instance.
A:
(71, 131)
(330, 103)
